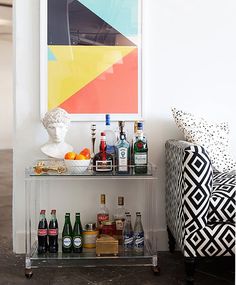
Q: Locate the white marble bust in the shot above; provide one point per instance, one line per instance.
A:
(56, 122)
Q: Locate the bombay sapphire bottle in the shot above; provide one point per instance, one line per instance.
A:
(122, 154)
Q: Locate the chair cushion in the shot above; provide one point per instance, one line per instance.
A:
(222, 200)
(214, 137)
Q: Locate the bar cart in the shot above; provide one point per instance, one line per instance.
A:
(35, 183)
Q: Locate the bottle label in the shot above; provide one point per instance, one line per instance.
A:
(52, 232)
(119, 225)
(77, 242)
(102, 217)
(67, 241)
(128, 240)
(103, 165)
(139, 240)
(42, 232)
(140, 158)
(123, 159)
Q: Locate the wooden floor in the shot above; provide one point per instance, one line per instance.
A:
(217, 271)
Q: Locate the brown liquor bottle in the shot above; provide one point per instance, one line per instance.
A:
(102, 161)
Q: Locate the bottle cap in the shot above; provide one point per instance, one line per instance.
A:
(108, 119)
(53, 211)
(77, 214)
(103, 199)
(90, 226)
(68, 214)
(42, 212)
(103, 134)
(140, 125)
(138, 213)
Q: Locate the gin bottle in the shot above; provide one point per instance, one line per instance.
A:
(128, 234)
(122, 154)
(140, 152)
(138, 234)
(110, 136)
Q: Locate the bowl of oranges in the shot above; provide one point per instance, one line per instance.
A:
(77, 162)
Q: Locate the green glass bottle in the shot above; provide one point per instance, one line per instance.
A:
(77, 235)
(140, 152)
(67, 235)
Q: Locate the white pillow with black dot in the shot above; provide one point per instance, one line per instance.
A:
(214, 137)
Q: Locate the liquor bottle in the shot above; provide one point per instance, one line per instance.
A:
(138, 234)
(128, 234)
(67, 235)
(110, 137)
(103, 161)
(122, 154)
(133, 141)
(119, 218)
(42, 233)
(77, 235)
(103, 213)
(140, 151)
(53, 233)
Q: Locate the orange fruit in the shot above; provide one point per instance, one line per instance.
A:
(86, 152)
(70, 155)
(79, 157)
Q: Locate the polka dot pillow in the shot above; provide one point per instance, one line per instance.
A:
(213, 137)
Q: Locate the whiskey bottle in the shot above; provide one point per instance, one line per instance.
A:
(103, 161)
(122, 154)
(119, 218)
(103, 213)
(140, 151)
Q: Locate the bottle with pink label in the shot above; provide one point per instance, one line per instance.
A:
(103, 213)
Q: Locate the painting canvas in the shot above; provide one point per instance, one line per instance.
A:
(91, 58)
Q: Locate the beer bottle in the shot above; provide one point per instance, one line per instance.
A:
(77, 235)
(53, 233)
(42, 233)
(67, 235)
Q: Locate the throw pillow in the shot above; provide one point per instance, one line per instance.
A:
(212, 136)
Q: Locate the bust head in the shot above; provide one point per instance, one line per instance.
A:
(56, 122)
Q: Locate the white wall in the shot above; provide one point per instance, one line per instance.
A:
(6, 90)
(189, 62)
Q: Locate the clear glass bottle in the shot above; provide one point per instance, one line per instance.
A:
(67, 235)
(140, 152)
(138, 234)
(122, 154)
(110, 136)
(103, 213)
(119, 218)
(77, 235)
(103, 161)
(128, 234)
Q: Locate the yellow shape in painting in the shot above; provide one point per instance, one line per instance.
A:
(76, 66)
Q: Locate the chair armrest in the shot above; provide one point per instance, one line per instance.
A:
(189, 179)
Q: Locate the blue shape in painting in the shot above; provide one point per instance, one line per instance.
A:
(120, 14)
(51, 56)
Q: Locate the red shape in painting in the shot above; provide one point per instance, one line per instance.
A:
(113, 91)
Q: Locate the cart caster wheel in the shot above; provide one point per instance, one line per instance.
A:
(28, 273)
(156, 270)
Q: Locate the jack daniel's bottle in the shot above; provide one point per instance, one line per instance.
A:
(102, 160)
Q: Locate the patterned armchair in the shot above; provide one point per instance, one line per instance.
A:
(200, 204)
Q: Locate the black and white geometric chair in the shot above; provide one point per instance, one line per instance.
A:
(200, 204)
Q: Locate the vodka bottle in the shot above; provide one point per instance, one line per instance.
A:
(138, 234)
(110, 137)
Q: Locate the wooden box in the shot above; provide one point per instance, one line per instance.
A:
(106, 245)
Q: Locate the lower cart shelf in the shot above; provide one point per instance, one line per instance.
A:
(88, 258)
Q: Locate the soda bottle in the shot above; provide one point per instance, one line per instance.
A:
(67, 235)
(42, 233)
(138, 234)
(53, 233)
(128, 234)
(77, 235)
